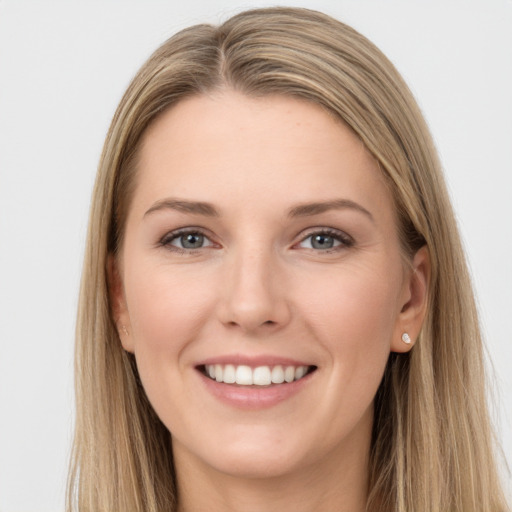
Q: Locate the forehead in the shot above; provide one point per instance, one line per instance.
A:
(226, 146)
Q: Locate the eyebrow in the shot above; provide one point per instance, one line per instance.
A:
(181, 205)
(310, 209)
(302, 210)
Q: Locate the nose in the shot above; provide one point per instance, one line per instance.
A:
(254, 295)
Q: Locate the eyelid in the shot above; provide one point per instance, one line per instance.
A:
(167, 239)
(345, 239)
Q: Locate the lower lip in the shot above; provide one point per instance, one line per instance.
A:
(254, 397)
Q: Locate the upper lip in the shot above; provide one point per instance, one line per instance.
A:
(252, 361)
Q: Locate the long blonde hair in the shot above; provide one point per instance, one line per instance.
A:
(432, 445)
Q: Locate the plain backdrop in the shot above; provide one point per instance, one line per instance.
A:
(63, 68)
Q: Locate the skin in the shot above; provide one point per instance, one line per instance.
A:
(259, 287)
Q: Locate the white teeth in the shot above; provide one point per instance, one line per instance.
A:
(300, 371)
(218, 373)
(289, 374)
(277, 375)
(229, 374)
(260, 376)
(243, 375)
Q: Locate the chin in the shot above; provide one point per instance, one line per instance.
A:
(252, 456)
(257, 465)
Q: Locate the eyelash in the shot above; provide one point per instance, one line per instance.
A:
(345, 241)
(168, 238)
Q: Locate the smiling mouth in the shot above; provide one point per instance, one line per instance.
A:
(244, 375)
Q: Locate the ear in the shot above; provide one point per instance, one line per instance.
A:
(414, 302)
(118, 303)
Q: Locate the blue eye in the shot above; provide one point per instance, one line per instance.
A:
(326, 240)
(186, 240)
(190, 241)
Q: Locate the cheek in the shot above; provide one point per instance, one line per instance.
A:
(166, 309)
(353, 314)
(357, 300)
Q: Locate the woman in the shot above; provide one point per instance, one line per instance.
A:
(275, 307)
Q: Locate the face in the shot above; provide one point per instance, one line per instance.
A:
(261, 283)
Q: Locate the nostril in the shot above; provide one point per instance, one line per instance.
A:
(269, 323)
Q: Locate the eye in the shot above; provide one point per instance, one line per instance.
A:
(186, 240)
(325, 240)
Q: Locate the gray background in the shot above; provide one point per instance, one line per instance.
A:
(63, 68)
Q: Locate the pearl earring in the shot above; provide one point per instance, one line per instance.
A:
(124, 329)
(406, 338)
